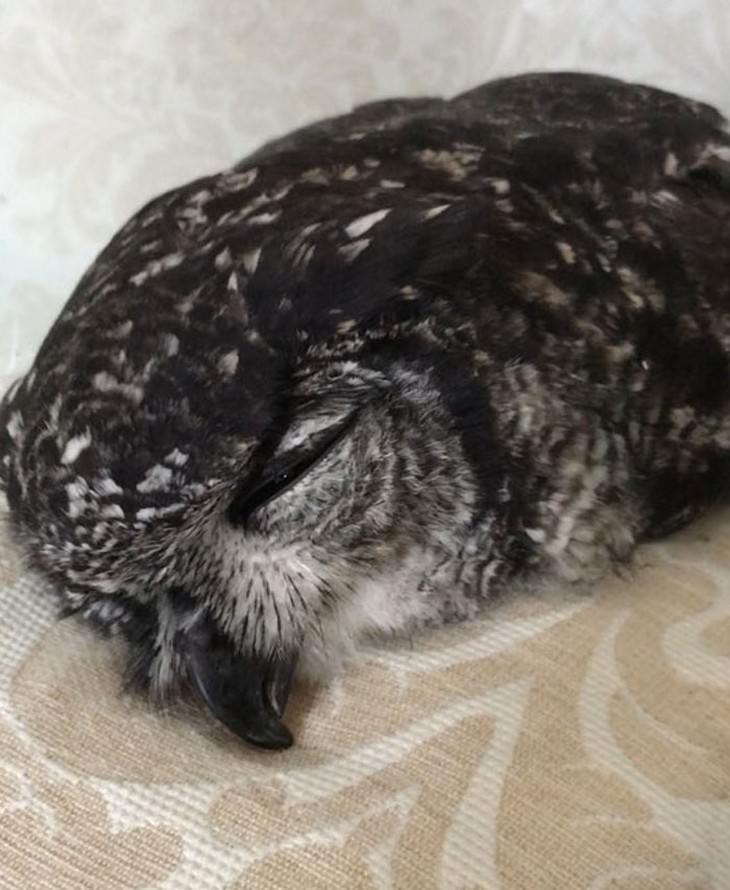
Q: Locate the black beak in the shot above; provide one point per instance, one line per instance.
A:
(247, 694)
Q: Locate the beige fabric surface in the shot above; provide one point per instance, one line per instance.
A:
(559, 743)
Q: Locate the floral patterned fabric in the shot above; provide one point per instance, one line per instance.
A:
(561, 741)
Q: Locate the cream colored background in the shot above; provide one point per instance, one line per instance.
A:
(562, 744)
(105, 103)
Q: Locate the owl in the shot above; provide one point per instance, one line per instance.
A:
(384, 368)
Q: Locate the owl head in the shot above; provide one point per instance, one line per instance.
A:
(328, 537)
(329, 530)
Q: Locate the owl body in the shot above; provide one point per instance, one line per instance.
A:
(382, 368)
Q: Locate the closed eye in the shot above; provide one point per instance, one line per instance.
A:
(285, 470)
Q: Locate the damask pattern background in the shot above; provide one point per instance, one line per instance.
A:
(560, 742)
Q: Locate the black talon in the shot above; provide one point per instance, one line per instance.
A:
(246, 693)
(278, 686)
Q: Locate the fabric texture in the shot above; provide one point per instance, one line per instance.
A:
(561, 741)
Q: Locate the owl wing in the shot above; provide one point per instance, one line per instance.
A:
(644, 134)
(383, 114)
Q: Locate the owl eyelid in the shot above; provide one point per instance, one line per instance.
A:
(275, 481)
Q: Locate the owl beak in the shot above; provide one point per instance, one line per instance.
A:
(246, 693)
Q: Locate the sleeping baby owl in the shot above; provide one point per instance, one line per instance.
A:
(380, 370)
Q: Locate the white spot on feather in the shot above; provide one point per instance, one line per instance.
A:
(566, 252)
(107, 485)
(75, 446)
(353, 250)
(364, 223)
(224, 259)
(176, 457)
(263, 219)
(172, 344)
(238, 181)
(15, 426)
(664, 196)
(500, 186)
(456, 163)
(281, 193)
(54, 413)
(201, 197)
(193, 215)
(228, 363)
(156, 266)
(76, 492)
(315, 175)
(105, 382)
(147, 513)
(122, 330)
(251, 260)
(435, 211)
(671, 164)
(157, 478)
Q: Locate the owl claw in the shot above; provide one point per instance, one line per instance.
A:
(278, 686)
(246, 693)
